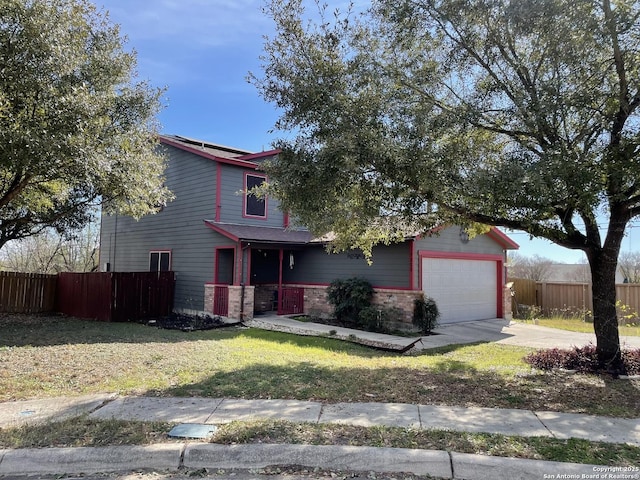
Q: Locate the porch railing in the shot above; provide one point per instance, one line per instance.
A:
(221, 300)
(291, 301)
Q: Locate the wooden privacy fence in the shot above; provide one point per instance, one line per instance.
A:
(116, 296)
(555, 298)
(27, 292)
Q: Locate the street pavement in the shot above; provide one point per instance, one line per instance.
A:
(176, 456)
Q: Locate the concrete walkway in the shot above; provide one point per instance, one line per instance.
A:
(495, 330)
(219, 411)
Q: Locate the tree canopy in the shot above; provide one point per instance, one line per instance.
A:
(76, 128)
(521, 114)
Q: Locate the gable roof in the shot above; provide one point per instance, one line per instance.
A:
(502, 239)
(253, 233)
(218, 153)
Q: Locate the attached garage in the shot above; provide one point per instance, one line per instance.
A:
(465, 286)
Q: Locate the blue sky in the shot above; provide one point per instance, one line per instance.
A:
(201, 51)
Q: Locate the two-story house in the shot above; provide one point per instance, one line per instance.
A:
(236, 255)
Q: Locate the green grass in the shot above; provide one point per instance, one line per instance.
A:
(82, 432)
(537, 448)
(579, 325)
(54, 356)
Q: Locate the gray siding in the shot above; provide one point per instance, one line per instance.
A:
(448, 240)
(179, 228)
(231, 200)
(390, 267)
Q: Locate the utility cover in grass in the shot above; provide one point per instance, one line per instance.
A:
(192, 430)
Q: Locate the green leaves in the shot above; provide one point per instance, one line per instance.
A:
(497, 112)
(76, 128)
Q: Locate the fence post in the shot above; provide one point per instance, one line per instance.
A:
(541, 296)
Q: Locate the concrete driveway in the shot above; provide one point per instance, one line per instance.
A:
(512, 333)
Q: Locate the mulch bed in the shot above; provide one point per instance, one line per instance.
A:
(190, 323)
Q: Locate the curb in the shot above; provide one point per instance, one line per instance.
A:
(87, 460)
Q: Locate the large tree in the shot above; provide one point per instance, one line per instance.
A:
(521, 114)
(76, 128)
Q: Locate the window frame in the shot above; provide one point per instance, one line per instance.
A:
(160, 253)
(245, 197)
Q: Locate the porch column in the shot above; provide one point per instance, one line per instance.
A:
(239, 308)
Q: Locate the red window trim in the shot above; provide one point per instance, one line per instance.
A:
(216, 279)
(244, 198)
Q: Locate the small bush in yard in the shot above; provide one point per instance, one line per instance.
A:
(373, 319)
(580, 359)
(425, 314)
(349, 297)
(631, 359)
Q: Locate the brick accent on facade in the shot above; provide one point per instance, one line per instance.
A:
(316, 304)
(507, 311)
(208, 298)
(397, 299)
(235, 297)
(265, 297)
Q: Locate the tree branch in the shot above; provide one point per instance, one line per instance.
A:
(18, 184)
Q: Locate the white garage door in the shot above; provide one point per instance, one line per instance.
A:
(463, 289)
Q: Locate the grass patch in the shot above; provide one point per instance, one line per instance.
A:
(579, 325)
(83, 432)
(55, 356)
(535, 448)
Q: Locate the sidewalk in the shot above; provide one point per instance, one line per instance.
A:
(495, 330)
(218, 411)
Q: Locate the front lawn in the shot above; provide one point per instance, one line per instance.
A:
(579, 325)
(53, 356)
(84, 432)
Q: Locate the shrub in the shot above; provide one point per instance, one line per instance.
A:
(580, 359)
(425, 313)
(631, 359)
(374, 319)
(349, 297)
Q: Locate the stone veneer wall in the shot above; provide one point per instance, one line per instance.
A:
(316, 303)
(399, 299)
(264, 298)
(235, 300)
(507, 310)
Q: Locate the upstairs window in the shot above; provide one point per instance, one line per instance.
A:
(159, 261)
(254, 206)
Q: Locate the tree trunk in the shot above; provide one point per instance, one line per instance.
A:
(603, 264)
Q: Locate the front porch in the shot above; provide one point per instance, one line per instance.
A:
(244, 303)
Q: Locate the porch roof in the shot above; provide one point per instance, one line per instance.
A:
(251, 233)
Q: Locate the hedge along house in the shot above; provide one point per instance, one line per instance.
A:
(237, 255)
